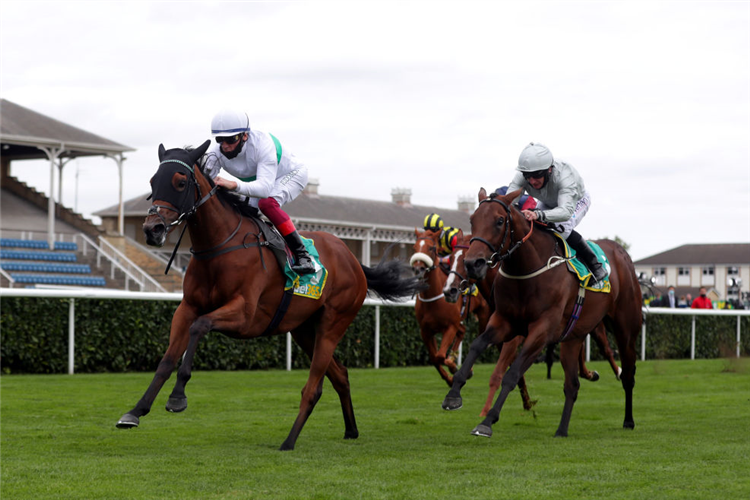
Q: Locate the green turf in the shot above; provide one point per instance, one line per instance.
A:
(692, 438)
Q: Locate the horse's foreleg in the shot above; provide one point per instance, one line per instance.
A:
(177, 401)
(178, 341)
(428, 338)
(229, 317)
(495, 332)
(508, 352)
(568, 355)
(532, 347)
(446, 344)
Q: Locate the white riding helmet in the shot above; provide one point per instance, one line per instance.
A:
(228, 122)
(535, 157)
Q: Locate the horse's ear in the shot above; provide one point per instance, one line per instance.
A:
(482, 194)
(162, 151)
(512, 196)
(416, 232)
(196, 154)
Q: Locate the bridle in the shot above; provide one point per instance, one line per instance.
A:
(496, 258)
(186, 195)
(183, 212)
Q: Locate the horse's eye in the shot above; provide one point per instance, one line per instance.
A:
(499, 222)
(181, 184)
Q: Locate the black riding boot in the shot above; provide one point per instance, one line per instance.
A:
(586, 255)
(304, 264)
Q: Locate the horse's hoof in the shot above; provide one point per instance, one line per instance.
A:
(351, 435)
(561, 434)
(452, 403)
(176, 405)
(628, 425)
(594, 376)
(128, 421)
(482, 430)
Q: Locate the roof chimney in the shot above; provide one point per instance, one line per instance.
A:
(312, 187)
(401, 196)
(466, 204)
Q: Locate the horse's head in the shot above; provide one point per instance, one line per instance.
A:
(425, 255)
(457, 282)
(492, 231)
(174, 190)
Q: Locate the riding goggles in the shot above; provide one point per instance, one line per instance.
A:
(537, 174)
(232, 139)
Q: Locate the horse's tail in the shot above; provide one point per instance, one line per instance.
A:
(391, 281)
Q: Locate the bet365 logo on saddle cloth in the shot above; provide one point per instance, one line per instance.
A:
(307, 285)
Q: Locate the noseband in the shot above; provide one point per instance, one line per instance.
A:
(496, 258)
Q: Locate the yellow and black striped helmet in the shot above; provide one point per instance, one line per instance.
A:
(448, 239)
(433, 222)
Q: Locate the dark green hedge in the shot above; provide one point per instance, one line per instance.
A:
(123, 335)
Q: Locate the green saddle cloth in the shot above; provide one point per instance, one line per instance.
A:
(584, 275)
(307, 285)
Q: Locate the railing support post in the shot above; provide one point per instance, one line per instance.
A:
(71, 336)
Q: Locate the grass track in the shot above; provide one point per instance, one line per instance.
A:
(692, 438)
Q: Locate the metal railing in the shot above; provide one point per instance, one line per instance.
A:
(145, 282)
(93, 293)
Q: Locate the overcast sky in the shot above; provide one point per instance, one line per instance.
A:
(650, 101)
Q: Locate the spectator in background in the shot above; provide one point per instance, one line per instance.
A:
(682, 302)
(656, 300)
(702, 302)
(669, 300)
(689, 300)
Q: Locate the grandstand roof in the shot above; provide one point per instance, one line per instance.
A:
(23, 131)
(336, 209)
(697, 254)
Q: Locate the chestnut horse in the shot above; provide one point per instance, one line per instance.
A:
(539, 307)
(233, 285)
(509, 349)
(434, 314)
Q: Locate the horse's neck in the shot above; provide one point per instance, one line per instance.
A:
(435, 281)
(212, 224)
(533, 253)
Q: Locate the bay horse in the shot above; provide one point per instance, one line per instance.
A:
(509, 349)
(434, 314)
(536, 299)
(233, 285)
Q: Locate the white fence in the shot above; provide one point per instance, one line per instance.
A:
(74, 294)
(98, 294)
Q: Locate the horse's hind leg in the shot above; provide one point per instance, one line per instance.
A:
(584, 372)
(328, 333)
(569, 354)
(339, 377)
(626, 333)
(178, 341)
(600, 336)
